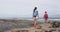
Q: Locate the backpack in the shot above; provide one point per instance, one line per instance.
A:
(46, 16)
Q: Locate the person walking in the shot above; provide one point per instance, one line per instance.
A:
(35, 15)
(45, 16)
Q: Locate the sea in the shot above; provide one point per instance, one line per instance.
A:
(41, 20)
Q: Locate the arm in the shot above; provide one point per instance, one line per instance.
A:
(38, 14)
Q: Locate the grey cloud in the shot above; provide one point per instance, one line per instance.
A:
(22, 8)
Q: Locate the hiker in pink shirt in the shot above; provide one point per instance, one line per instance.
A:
(46, 16)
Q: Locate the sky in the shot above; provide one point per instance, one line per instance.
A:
(24, 8)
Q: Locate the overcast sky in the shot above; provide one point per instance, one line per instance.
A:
(24, 8)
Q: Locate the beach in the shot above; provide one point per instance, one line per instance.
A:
(9, 25)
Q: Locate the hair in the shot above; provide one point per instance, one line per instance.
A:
(35, 9)
(45, 11)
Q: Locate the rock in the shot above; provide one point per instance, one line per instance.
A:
(1, 30)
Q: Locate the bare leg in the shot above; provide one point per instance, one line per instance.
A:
(35, 23)
(45, 20)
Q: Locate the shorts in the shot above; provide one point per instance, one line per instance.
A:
(34, 16)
